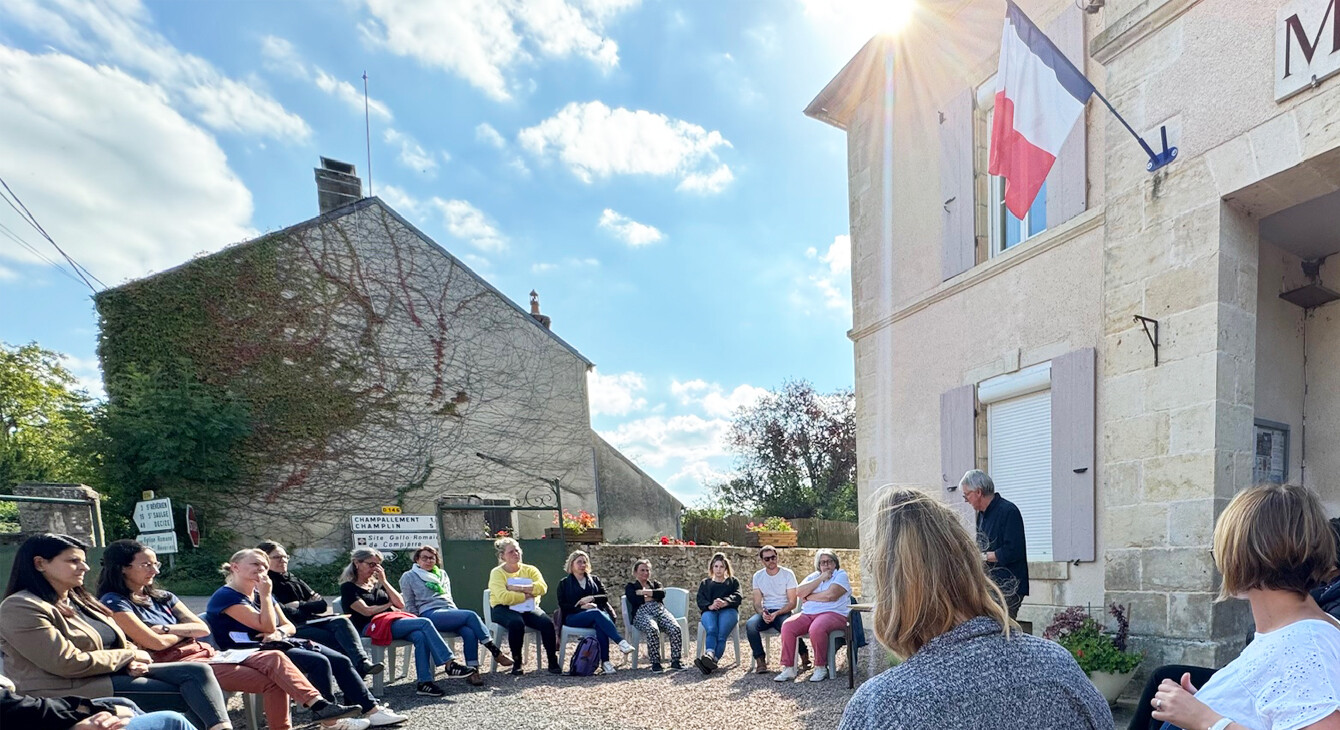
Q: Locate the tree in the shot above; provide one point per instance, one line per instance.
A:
(45, 419)
(795, 454)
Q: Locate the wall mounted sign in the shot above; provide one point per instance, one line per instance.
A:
(1307, 45)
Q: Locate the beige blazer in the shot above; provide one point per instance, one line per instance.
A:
(49, 655)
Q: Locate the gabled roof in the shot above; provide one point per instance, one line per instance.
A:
(355, 207)
(839, 99)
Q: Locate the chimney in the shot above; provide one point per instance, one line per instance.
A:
(337, 184)
(535, 310)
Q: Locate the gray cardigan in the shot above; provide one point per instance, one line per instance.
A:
(973, 677)
(419, 598)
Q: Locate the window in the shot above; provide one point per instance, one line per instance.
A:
(1019, 449)
(1003, 229)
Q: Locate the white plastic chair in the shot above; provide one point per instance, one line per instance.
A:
(381, 654)
(251, 702)
(676, 602)
(570, 632)
(833, 636)
(496, 632)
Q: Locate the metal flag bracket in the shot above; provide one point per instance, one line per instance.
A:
(1162, 158)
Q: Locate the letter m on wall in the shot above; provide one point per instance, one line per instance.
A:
(1307, 45)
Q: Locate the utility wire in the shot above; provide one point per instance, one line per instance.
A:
(33, 250)
(83, 273)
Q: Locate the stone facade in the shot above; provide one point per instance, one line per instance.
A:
(1186, 246)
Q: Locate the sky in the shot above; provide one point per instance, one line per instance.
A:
(643, 165)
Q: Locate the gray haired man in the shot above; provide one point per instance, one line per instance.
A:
(1000, 534)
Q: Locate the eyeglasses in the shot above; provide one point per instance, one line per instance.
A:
(155, 565)
(769, 558)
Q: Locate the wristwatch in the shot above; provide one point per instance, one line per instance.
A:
(1221, 723)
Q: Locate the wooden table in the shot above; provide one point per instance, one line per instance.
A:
(851, 644)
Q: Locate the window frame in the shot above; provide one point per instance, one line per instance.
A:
(995, 185)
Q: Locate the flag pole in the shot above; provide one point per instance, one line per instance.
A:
(1156, 159)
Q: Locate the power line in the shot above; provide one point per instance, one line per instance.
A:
(31, 220)
(33, 250)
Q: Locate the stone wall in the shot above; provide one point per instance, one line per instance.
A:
(66, 519)
(686, 566)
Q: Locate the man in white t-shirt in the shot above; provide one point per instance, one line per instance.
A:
(774, 600)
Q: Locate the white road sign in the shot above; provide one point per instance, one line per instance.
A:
(154, 515)
(394, 532)
(163, 543)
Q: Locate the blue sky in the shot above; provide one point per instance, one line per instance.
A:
(643, 165)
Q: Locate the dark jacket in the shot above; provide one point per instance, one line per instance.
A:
(1000, 529)
(1328, 597)
(570, 591)
(48, 713)
(289, 589)
(710, 590)
(635, 601)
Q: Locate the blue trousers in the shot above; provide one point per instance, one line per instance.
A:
(324, 668)
(430, 651)
(465, 624)
(159, 721)
(719, 625)
(594, 618)
(754, 628)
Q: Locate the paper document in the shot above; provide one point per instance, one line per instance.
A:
(527, 605)
(232, 656)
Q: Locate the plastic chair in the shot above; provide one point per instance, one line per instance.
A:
(702, 639)
(382, 654)
(676, 597)
(251, 703)
(496, 631)
(567, 632)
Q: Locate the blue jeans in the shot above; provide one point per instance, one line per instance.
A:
(594, 618)
(327, 668)
(159, 721)
(465, 624)
(430, 650)
(718, 625)
(754, 628)
(177, 686)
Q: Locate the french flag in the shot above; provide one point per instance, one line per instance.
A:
(1039, 96)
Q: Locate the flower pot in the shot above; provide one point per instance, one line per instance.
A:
(775, 539)
(589, 536)
(1110, 685)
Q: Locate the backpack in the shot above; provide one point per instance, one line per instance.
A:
(586, 658)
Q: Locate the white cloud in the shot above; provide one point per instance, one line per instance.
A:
(280, 56)
(542, 268)
(834, 282)
(412, 154)
(469, 223)
(488, 135)
(485, 41)
(658, 441)
(118, 33)
(8, 274)
(713, 399)
(547, 267)
(595, 141)
(88, 375)
(628, 230)
(401, 200)
(615, 395)
(65, 136)
(350, 95)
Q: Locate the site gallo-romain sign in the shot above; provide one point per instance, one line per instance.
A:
(1307, 45)
(394, 532)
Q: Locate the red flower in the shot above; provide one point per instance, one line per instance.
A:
(692, 542)
(665, 540)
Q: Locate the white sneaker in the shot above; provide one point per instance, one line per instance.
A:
(349, 723)
(819, 675)
(608, 667)
(788, 674)
(383, 715)
(626, 647)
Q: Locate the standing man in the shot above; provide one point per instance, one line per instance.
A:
(1000, 534)
(774, 600)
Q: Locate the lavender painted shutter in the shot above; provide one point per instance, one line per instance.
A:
(1067, 184)
(1072, 456)
(957, 217)
(958, 439)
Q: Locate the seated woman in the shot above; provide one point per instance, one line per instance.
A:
(966, 664)
(58, 641)
(244, 614)
(719, 601)
(826, 602)
(81, 713)
(426, 589)
(586, 605)
(514, 592)
(308, 610)
(646, 603)
(159, 623)
(365, 593)
(1272, 545)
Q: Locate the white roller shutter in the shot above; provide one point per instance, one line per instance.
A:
(1019, 460)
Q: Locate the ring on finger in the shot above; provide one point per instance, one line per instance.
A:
(1158, 703)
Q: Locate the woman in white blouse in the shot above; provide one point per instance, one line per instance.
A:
(1272, 544)
(826, 596)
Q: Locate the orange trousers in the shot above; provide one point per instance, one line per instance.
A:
(271, 675)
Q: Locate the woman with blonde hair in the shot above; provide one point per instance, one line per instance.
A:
(718, 601)
(966, 663)
(514, 603)
(1272, 544)
(586, 605)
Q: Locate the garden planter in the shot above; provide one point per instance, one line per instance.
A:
(1110, 685)
(589, 536)
(775, 539)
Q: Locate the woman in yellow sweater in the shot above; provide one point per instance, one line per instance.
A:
(514, 601)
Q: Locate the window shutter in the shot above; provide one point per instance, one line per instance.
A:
(1019, 458)
(958, 440)
(957, 217)
(1072, 456)
(1067, 184)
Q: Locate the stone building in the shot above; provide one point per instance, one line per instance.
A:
(377, 369)
(1016, 346)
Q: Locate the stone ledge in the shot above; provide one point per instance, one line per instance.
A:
(1048, 571)
(1135, 26)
